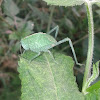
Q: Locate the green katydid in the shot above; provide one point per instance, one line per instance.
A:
(42, 42)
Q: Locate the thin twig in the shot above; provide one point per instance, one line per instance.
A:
(50, 18)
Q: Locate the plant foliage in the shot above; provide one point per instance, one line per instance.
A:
(64, 2)
(46, 79)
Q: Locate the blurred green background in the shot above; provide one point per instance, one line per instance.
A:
(19, 18)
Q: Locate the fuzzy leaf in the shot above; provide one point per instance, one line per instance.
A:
(10, 8)
(46, 79)
(65, 2)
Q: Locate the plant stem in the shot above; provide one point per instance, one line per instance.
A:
(50, 18)
(90, 45)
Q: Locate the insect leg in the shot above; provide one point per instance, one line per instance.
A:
(35, 56)
(72, 48)
(23, 52)
(20, 49)
(56, 28)
(51, 55)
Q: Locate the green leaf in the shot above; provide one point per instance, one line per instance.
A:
(11, 91)
(36, 12)
(98, 4)
(29, 26)
(94, 87)
(13, 36)
(98, 12)
(46, 79)
(95, 73)
(15, 48)
(24, 30)
(95, 95)
(65, 2)
(1, 50)
(10, 8)
(94, 76)
(97, 1)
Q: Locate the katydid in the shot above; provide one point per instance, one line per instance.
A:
(42, 42)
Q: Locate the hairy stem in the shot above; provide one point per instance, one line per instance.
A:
(90, 45)
(50, 18)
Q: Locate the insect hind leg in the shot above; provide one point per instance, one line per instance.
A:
(72, 48)
(54, 29)
(35, 56)
(73, 51)
(52, 56)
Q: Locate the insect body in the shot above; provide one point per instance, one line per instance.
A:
(42, 42)
(38, 42)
